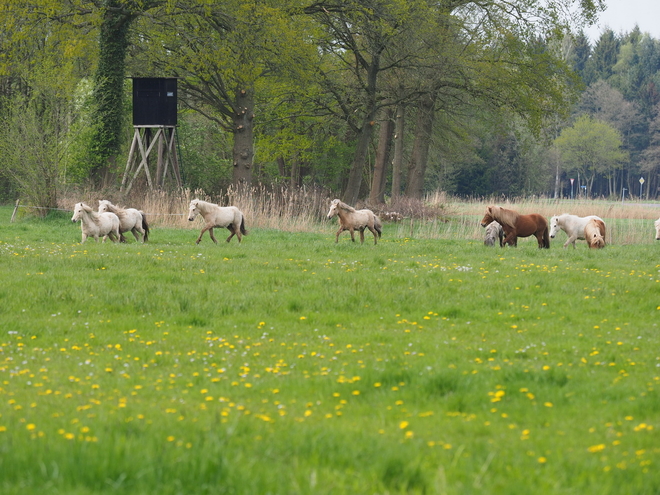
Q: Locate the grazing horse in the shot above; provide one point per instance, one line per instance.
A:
(657, 229)
(494, 231)
(129, 219)
(96, 224)
(572, 225)
(351, 219)
(516, 225)
(218, 216)
(594, 233)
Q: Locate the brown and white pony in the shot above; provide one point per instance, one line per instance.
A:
(351, 219)
(516, 225)
(594, 233)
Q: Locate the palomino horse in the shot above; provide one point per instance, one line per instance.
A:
(594, 233)
(95, 224)
(572, 225)
(129, 219)
(516, 225)
(351, 219)
(657, 229)
(494, 231)
(218, 216)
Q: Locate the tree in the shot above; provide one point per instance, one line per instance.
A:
(591, 147)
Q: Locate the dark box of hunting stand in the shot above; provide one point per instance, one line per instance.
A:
(154, 101)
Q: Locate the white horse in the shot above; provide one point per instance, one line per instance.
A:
(594, 233)
(657, 229)
(95, 224)
(351, 219)
(494, 231)
(130, 219)
(572, 225)
(218, 216)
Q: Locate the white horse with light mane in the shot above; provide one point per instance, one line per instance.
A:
(572, 225)
(95, 224)
(218, 216)
(657, 229)
(351, 219)
(130, 219)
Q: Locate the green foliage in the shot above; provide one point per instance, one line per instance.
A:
(291, 364)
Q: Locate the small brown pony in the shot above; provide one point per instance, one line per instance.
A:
(594, 233)
(351, 219)
(516, 225)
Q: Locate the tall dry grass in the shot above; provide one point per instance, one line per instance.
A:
(437, 216)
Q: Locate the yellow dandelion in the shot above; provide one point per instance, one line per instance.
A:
(403, 425)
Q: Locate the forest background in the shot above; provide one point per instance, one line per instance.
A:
(370, 100)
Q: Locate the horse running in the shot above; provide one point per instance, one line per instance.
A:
(351, 219)
(657, 229)
(95, 224)
(594, 233)
(130, 219)
(218, 216)
(516, 225)
(572, 225)
(494, 231)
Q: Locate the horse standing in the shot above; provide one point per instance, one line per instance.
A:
(516, 225)
(351, 219)
(657, 229)
(572, 225)
(494, 231)
(594, 233)
(129, 219)
(95, 224)
(218, 216)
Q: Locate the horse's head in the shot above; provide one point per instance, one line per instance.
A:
(597, 241)
(79, 210)
(554, 226)
(193, 209)
(488, 217)
(657, 229)
(334, 207)
(104, 205)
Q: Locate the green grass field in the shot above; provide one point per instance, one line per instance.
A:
(293, 365)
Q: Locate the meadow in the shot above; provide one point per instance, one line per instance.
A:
(289, 364)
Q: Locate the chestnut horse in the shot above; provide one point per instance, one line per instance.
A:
(516, 225)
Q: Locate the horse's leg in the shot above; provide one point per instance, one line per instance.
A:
(212, 236)
(230, 228)
(361, 236)
(84, 238)
(511, 238)
(375, 233)
(201, 234)
(352, 231)
(571, 240)
(135, 231)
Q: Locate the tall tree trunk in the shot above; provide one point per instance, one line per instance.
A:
(352, 193)
(109, 89)
(243, 152)
(397, 162)
(377, 194)
(420, 153)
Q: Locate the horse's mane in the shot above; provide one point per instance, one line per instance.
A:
(95, 216)
(504, 216)
(117, 210)
(343, 206)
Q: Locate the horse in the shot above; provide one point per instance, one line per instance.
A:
(96, 224)
(218, 216)
(594, 233)
(657, 229)
(351, 219)
(129, 219)
(516, 225)
(494, 231)
(572, 225)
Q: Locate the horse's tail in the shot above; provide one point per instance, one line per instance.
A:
(378, 226)
(243, 231)
(145, 226)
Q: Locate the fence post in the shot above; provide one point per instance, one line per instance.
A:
(13, 215)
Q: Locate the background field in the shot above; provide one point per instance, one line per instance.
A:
(291, 364)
